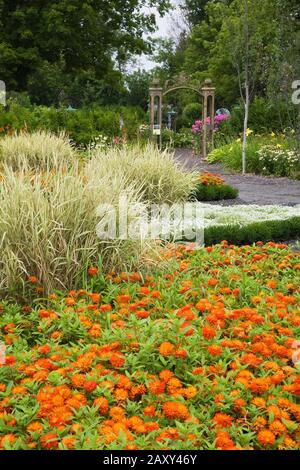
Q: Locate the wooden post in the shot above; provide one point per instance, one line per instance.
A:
(204, 135)
(156, 91)
(208, 93)
(212, 121)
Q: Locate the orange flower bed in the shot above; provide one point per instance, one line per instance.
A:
(204, 356)
(211, 179)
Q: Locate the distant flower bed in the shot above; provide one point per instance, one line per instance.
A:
(212, 188)
(197, 130)
(197, 127)
(268, 155)
(276, 160)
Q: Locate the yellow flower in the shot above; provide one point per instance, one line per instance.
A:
(249, 132)
(273, 135)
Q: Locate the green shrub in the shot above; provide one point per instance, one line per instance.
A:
(277, 230)
(275, 160)
(191, 112)
(214, 192)
(265, 115)
(231, 154)
(182, 139)
(82, 125)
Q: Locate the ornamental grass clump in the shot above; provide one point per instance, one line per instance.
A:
(160, 178)
(39, 150)
(48, 228)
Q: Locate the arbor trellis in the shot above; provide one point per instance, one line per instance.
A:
(207, 92)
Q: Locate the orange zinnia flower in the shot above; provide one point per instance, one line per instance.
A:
(214, 350)
(149, 411)
(117, 361)
(266, 438)
(166, 349)
(175, 410)
(222, 420)
(102, 404)
(35, 426)
(49, 441)
(209, 332)
(90, 386)
(224, 441)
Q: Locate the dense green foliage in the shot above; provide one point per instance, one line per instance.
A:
(82, 125)
(268, 154)
(215, 47)
(277, 230)
(72, 50)
(215, 192)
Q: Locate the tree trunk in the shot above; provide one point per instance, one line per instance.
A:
(247, 104)
(247, 85)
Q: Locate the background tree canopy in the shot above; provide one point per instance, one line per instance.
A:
(77, 52)
(214, 47)
(50, 48)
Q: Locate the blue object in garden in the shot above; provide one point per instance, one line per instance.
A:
(70, 108)
(223, 111)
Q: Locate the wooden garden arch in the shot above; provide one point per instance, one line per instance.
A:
(207, 93)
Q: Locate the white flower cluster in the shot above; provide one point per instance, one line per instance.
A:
(240, 215)
(144, 128)
(278, 160)
(246, 214)
(99, 142)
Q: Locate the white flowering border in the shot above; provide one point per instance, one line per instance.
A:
(243, 215)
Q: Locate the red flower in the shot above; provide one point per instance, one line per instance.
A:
(93, 271)
(10, 360)
(90, 386)
(49, 441)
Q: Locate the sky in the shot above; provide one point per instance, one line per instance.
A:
(164, 29)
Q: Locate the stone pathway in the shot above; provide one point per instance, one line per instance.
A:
(253, 189)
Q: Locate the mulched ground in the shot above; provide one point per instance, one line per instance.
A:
(253, 189)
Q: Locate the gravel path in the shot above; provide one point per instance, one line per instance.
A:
(253, 189)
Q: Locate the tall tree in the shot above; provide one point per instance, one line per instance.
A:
(79, 34)
(194, 11)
